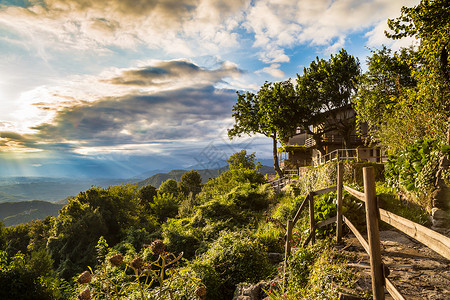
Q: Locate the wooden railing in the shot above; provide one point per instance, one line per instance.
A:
(336, 155)
(379, 272)
(288, 176)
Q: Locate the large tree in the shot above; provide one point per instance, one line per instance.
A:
(273, 111)
(429, 23)
(386, 101)
(324, 90)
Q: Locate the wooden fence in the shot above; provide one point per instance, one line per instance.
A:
(379, 272)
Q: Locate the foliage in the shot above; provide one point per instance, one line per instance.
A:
(390, 201)
(240, 160)
(325, 208)
(2, 236)
(273, 111)
(148, 275)
(318, 178)
(271, 235)
(427, 22)
(324, 90)
(20, 279)
(391, 103)
(326, 175)
(165, 206)
(107, 212)
(317, 272)
(216, 187)
(17, 238)
(419, 158)
(182, 236)
(233, 258)
(170, 186)
(287, 208)
(190, 182)
(233, 200)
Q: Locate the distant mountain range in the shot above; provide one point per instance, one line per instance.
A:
(206, 174)
(14, 213)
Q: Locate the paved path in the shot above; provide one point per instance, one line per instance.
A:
(417, 271)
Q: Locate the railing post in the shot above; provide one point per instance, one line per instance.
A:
(339, 186)
(376, 266)
(312, 221)
(287, 253)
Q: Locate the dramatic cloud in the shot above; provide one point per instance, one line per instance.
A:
(90, 24)
(183, 105)
(194, 27)
(165, 73)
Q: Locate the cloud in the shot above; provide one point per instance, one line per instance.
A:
(272, 70)
(158, 24)
(167, 72)
(161, 102)
(286, 23)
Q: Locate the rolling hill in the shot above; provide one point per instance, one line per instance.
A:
(14, 213)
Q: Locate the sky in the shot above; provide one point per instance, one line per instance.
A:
(92, 88)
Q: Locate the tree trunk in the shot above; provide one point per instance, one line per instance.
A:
(448, 130)
(319, 144)
(275, 156)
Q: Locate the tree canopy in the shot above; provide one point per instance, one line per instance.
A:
(190, 182)
(429, 23)
(273, 111)
(241, 160)
(324, 89)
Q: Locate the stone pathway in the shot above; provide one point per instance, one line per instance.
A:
(417, 271)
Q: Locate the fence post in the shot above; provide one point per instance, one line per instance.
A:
(376, 266)
(290, 225)
(312, 221)
(339, 185)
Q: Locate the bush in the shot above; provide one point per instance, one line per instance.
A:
(405, 168)
(246, 197)
(233, 258)
(32, 280)
(317, 272)
(287, 208)
(165, 205)
(271, 235)
(179, 236)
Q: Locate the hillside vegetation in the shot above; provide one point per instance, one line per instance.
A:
(218, 226)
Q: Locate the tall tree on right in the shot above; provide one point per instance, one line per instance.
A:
(429, 23)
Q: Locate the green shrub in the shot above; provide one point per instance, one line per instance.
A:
(325, 208)
(20, 279)
(179, 236)
(271, 236)
(317, 272)
(165, 205)
(403, 168)
(287, 208)
(233, 258)
(244, 196)
(389, 200)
